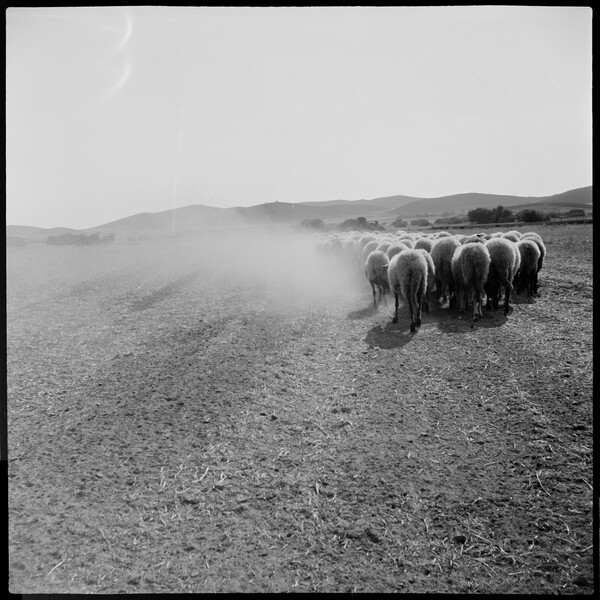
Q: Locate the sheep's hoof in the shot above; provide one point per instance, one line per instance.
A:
(395, 320)
(412, 327)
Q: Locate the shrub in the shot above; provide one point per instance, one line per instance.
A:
(399, 222)
(487, 215)
(360, 224)
(450, 220)
(480, 215)
(79, 239)
(529, 215)
(313, 224)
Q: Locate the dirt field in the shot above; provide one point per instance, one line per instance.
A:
(230, 415)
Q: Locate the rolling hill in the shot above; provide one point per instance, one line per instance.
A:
(384, 209)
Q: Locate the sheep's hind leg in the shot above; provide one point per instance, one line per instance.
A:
(506, 298)
(395, 319)
(476, 299)
(411, 310)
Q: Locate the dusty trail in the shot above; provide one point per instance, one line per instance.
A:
(257, 437)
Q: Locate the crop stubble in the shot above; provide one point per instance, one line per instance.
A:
(179, 424)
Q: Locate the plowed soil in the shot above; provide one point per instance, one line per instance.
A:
(232, 415)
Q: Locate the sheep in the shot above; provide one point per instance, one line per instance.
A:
(395, 249)
(368, 248)
(376, 267)
(407, 275)
(476, 237)
(530, 256)
(441, 254)
(430, 278)
(513, 235)
(425, 243)
(408, 240)
(505, 259)
(470, 267)
(384, 245)
(532, 235)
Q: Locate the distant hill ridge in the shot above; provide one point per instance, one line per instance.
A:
(196, 216)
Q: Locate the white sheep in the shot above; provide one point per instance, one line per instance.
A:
(368, 248)
(530, 256)
(384, 245)
(425, 243)
(431, 285)
(441, 254)
(513, 236)
(407, 239)
(475, 237)
(407, 276)
(376, 267)
(396, 248)
(532, 235)
(470, 268)
(505, 260)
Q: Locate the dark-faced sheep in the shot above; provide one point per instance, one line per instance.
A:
(470, 268)
(376, 267)
(505, 260)
(407, 277)
(441, 254)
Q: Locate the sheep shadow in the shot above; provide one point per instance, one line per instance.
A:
(449, 320)
(390, 335)
(363, 313)
(396, 335)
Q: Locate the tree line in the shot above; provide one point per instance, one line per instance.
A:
(80, 239)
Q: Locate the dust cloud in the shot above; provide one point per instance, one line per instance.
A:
(287, 264)
(283, 265)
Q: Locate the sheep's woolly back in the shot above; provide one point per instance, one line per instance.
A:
(513, 236)
(530, 255)
(430, 269)
(407, 273)
(383, 246)
(368, 248)
(441, 254)
(425, 243)
(505, 258)
(471, 265)
(532, 235)
(375, 271)
(407, 240)
(396, 248)
(475, 238)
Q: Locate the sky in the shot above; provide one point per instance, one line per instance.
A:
(114, 111)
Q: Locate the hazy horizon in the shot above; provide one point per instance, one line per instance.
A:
(114, 111)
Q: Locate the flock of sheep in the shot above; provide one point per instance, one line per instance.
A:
(458, 269)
